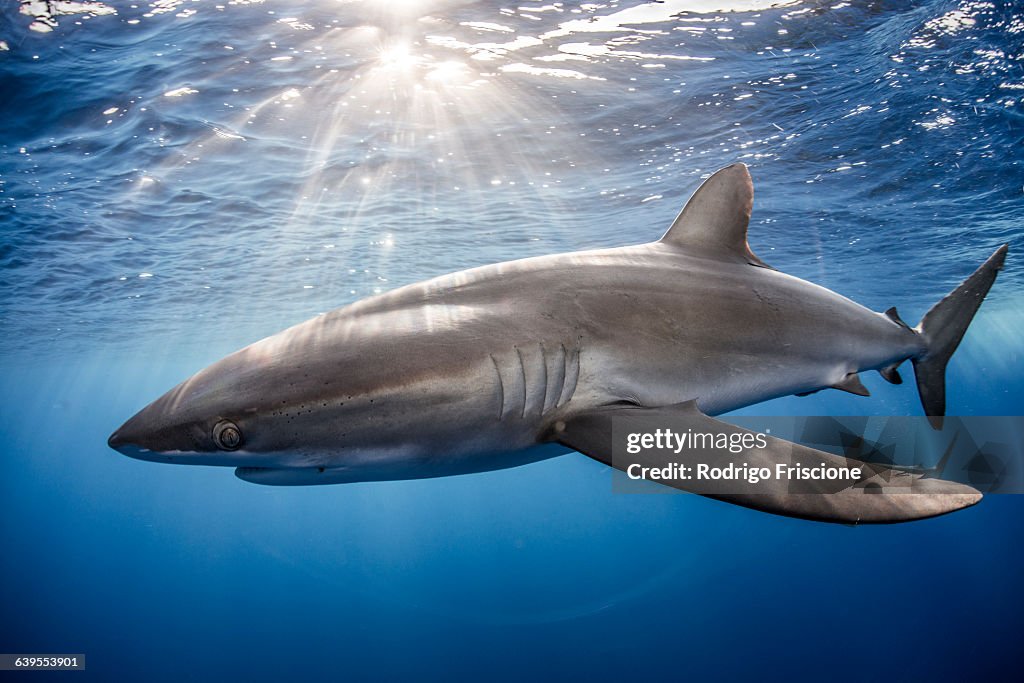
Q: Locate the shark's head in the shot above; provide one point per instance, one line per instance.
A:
(304, 399)
(176, 429)
(257, 407)
(196, 422)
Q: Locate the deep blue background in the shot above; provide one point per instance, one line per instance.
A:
(397, 141)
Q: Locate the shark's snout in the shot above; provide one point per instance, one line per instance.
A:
(155, 431)
(177, 428)
(117, 439)
(131, 432)
(134, 437)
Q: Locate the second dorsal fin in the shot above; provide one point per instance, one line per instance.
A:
(892, 315)
(715, 219)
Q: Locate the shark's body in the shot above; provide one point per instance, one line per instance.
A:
(466, 372)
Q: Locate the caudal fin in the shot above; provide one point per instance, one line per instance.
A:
(942, 329)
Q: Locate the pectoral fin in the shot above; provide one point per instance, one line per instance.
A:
(881, 495)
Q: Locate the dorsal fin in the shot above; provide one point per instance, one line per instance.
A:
(716, 217)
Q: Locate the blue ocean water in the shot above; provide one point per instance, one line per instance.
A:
(178, 179)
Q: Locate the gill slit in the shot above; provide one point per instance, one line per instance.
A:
(522, 374)
(572, 376)
(544, 387)
(501, 389)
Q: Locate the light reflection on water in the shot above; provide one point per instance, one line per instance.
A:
(220, 147)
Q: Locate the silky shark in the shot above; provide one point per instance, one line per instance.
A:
(469, 371)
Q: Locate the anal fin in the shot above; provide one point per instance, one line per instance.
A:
(852, 384)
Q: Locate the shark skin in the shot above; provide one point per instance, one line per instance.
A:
(469, 371)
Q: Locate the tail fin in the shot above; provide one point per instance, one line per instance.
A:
(942, 329)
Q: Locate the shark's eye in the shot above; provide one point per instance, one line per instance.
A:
(227, 436)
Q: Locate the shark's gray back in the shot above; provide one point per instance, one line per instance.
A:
(694, 327)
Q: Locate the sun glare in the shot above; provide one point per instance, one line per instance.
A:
(397, 57)
(393, 100)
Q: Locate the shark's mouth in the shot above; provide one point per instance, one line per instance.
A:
(286, 476)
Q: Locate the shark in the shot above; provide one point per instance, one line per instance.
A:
(476, 370)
